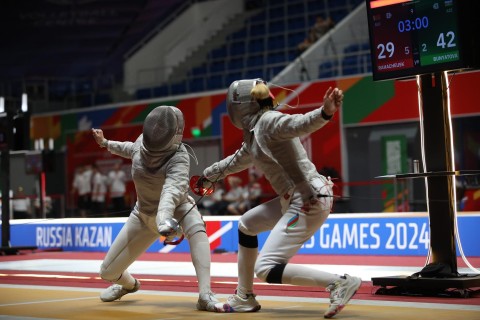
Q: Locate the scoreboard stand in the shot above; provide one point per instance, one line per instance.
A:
(424, 39)
(437, 152)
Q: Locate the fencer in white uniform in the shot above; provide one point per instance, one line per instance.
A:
(160, 172)
(271, 143)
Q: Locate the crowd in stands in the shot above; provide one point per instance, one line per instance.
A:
(237, 200)
(103, 194)
(27, 206)
(99, 194)
(92, 188)
(317, 31)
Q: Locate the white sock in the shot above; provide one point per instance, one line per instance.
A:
(126, 280)
(246, 269)
(201, 257)
(301, 275)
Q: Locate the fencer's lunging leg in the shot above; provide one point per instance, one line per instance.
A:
(200, 252)
(133, 239)
(247, 255)
(300, 275)
(258, 219)
(284, 242)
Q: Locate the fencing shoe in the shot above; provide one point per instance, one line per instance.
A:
(236, 303)
(208, 302)
(340, 293)
(116, 291)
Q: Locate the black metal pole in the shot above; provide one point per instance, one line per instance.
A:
(8, 125)
(438, 151)
(5, 177)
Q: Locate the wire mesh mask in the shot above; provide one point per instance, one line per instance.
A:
(241, 107)
(163, 129)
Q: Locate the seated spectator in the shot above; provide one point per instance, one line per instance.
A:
(209, 203)
(251, 196)
(254, 192)
(322, 26)
(307, 42)
(234, 194)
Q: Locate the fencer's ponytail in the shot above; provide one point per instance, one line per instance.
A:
(261, 93)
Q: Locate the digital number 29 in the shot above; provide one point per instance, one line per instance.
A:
(389, 48)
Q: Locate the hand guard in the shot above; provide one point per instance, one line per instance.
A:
(201, 186)
(171, 229)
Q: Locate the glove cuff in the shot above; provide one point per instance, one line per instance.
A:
(326, 116)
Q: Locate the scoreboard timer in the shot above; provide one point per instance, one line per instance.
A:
(412, 37)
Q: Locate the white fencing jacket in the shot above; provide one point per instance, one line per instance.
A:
(161, 180)
(274, 147)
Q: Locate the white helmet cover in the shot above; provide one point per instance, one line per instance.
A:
(240, 103)
(163, 129)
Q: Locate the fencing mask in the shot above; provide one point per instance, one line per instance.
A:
(163, 129)
(240, 104)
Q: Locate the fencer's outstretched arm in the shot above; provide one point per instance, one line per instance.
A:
(287, 126)
(123, 149)
(175, 189)
(234, 163)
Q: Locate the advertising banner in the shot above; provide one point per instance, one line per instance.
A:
(399, 234)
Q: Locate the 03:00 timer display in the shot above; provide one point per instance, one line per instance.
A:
(408, 25)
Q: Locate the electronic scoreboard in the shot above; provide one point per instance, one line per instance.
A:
(411, 37)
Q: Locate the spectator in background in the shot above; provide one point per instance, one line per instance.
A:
(317, 31)
(208, 203)
(234, 194)
(307, 42)
(21, 205)
(251, 196)
(322, 26)
(254, 192)
(82, 188)
(47, 207)
(99, 191)
(117, 180)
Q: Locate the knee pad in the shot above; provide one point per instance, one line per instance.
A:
(247, 241)
(272, 275)
(244, 229)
